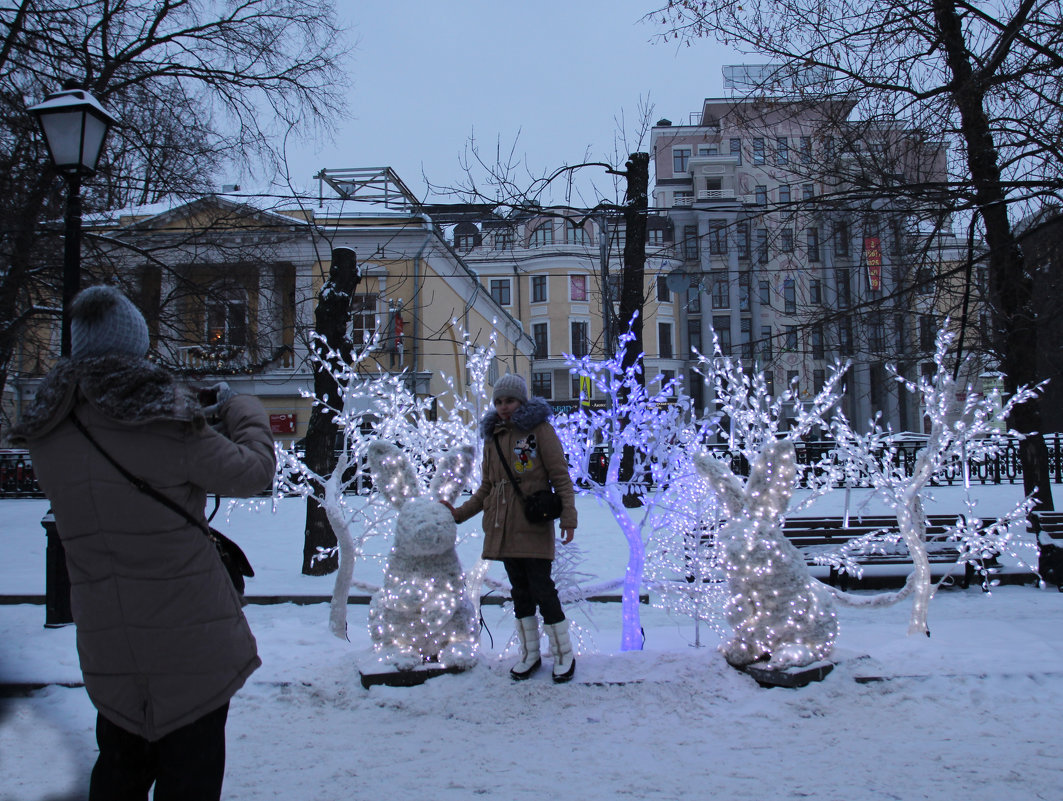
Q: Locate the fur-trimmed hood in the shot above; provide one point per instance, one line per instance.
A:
(527, 417)
(123, 388)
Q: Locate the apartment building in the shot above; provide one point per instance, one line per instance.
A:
(786, 265)
(559, 274)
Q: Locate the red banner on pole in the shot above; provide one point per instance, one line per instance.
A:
(873, 256)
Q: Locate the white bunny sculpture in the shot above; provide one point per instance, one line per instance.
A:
(422, 614)
(780, 614)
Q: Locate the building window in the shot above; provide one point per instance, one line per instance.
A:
(819, 378)
(876, 339)
(808, 191)
(784, 193)
(575, 388)
(845, 337)
(580, 339)
(664, 294)
(736, 148)
(694, 298)
(693, 336)
(815, 291)
(812, 240)
(765, 343)
(805, 149)
(718, 237)
(721, 325)
(680, 159)
(924, 280)
(782, 150)
(841, 278)
(786, 240)
(664, 340)
(765, 293)
(744, 291)
(743, 239)
(543, 235)
(762, 245)
(789, 296)
(577, 288)
(504, 240)
(500, 291)
(815, 342)
(927, 332)
(363, 319)
(226, 317)
(841, 238)
(761, 195)
(543, 384)
(576, 234)
(721, 291)
(758, 151)
(690, 242)
(541, 337)
(538, 289)
(790, 338)
(655, 237)
(745, 338)
(465, 241)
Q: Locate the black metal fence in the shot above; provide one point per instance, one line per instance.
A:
(17, 479)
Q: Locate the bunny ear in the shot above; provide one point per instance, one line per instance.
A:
(452, 473)
(392, 473)
(726, 485)
(771, 480)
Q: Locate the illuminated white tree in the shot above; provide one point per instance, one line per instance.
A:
(964, 426)
(663, 434)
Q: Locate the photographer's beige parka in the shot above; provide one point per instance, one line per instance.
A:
(161, 633)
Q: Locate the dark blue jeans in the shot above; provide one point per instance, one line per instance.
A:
(186, 765)
(533, 586)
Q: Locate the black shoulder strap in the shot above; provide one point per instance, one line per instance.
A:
(141, 484)
(505, 466)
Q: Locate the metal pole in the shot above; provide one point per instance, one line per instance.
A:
(56, 579)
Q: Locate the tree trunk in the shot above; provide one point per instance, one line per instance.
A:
(1011, 286)
(632, 288)
(331, 318)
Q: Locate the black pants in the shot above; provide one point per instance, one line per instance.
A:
(186, 765)
(532, 586)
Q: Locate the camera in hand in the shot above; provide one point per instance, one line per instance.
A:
(208, 396)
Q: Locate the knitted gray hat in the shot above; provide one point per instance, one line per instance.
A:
(511, 385)
(104, 321)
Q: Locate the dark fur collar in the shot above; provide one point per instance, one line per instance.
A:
(527, 417)
(125, 389)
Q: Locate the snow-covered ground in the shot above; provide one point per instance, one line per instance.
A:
(971, 711)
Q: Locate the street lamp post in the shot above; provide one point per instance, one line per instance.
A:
(75, 126)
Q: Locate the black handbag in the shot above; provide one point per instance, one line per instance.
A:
(232, 556)
(540, 506)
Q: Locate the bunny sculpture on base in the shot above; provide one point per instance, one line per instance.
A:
(780, 615)
(422, 615)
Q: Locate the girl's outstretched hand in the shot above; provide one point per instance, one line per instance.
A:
(450, 506)
(566, 535)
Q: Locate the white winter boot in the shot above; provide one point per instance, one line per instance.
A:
(530, 659)
(561, 650)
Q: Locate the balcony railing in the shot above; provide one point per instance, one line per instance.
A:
(716, 194)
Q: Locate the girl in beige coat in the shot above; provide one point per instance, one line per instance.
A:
(528, 441)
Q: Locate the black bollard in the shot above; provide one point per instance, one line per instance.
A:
(56, 580)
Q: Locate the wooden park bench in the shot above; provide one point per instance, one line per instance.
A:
(815, 536)
(1048, 523)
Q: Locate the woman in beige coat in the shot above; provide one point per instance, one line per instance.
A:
(535, 458)
(161, 634)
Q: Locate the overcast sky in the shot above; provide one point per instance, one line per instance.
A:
(426, 74)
